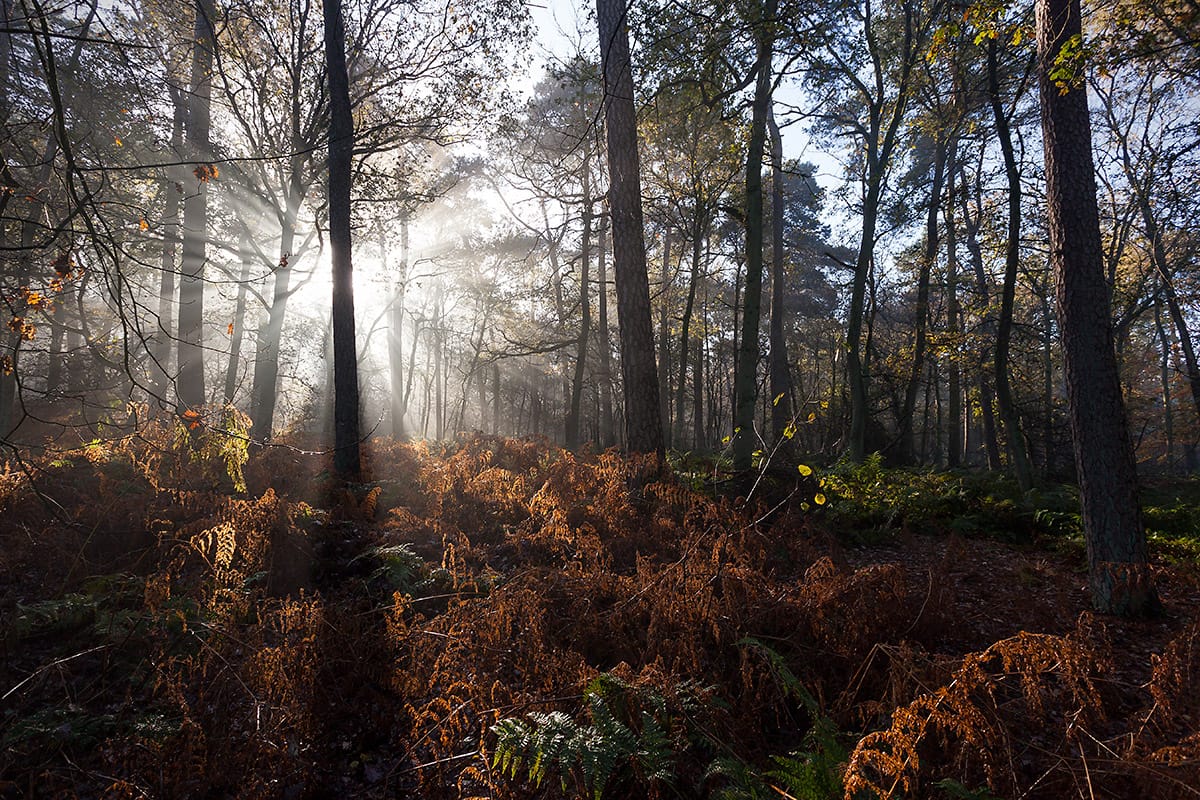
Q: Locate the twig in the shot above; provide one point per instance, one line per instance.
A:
(42, 669)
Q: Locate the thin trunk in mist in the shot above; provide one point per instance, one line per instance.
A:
(173, 183)
(908, 451)
(643, 420)
(1120, 578)
(1014, 437)
(585, 326)
(745, 384)
(608, 428)
(237, 327)
(189, 382)
(699, 230)
(780, 371)
(398, 399)
(341, 149)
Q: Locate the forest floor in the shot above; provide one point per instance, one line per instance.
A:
(501, 618)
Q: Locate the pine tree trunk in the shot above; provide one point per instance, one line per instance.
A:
(239, 320)
(745, 387)
(341, 148)
(1120, 576)
(585, 326)
(780, 370)
(608, 436)
(643, 420)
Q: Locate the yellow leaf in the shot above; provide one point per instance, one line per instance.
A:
(778, 397)
(805, 470)
(812, 417)
(143, 224)
(1017, 35)
(117, 139)
(819, 499)
(230, 330)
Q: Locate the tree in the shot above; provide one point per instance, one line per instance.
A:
(1116, 539)
(341, 151)
(190, 381)
(643, 423)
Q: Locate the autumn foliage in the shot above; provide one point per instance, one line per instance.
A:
(169, 636)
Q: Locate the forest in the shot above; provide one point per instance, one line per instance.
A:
(731, 399)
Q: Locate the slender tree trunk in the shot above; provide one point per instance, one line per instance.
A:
(745, 386)
(922, 311)
(1165, 380)
(1120, 577)
(954, 443)
(189, 384)
(699, 227)
(585, 306)
(341, 150)
(643, 419)
(986, 395)
(396, 336)
(608, 436)
(173, 182)
(1012, 262)
(780, 369)
(237, 327)
(664, 337)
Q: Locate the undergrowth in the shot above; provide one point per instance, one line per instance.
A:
(501, 618)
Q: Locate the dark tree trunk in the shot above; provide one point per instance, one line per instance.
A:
(780, 371)
(643, 420)
(341, 148)
(987, 400)
(189, 383)
(954, 442)
(1012, 262)
(664, 338)
(745, 385)
(929, 258)
(699, 230)
(1120, 577)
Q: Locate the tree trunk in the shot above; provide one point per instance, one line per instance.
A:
(954, 440)
(643, 420)
(1120, 576)
(189, 383)
(925, 271)
(341, 149)
(699, 230)
(745, 385)
(585, 306)
(780, 370)
(608, 436)
(1012, 262)
(395, 340)
(664, 337)
(173, 182)
(237, 327)
(1165, 380)
(986, 396)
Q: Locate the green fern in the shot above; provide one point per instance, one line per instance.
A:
(628, 738)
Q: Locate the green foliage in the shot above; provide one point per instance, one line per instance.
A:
(628, 738)
(403, 569)
(220, 447)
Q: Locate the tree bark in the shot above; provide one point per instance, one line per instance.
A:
(398, 400)
(779, 368)
(1120, 577)
(239, 320)
(608, 435)
(745, 385)
(929, 258)
(643, 420)
(173, 182)
(189, 382)
(341, 149)
(1012, 262)
(585, 306)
